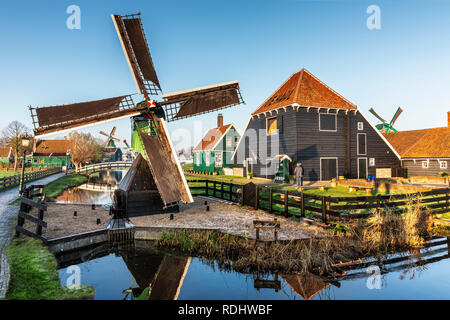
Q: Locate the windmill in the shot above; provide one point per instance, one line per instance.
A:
(155, 182)
(384, 126)
(110, 142)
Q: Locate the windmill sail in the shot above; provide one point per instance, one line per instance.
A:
(54, 119)
(135, 47)
(166, 171)
(193, 102)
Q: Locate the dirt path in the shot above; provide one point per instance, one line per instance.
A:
(229, 218)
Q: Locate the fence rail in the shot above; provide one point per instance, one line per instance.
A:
(11, 181)
(301, 204)
(103, 166)
(26, 205)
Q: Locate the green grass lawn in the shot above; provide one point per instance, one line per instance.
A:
(57, 187)
(4, 173)
(34, 274)
(446, 216)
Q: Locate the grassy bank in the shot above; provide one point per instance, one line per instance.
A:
(57, 187)
(34, 276)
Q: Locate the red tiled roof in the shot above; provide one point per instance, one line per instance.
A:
(211, 137)
(55, 147)
(4, 152)
(306, 90)
(425, 143)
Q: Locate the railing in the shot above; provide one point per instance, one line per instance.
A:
(301, 204)
(11, 181)
(103, 166)
(107, 187)
(26, 205)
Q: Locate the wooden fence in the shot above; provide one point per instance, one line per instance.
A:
(11, 181)
(301, 204)
(26, 205)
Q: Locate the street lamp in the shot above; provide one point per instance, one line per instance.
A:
(25, 144)
(67, 160)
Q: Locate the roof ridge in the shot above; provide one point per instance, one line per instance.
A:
(329, 88)
(270, 96)
(299, 82)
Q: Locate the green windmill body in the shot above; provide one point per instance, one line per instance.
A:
(384, 126)
(111, 140)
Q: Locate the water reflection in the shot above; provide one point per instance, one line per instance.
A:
(99, 189)
(129, 272)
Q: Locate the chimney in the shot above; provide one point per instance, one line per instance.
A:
(220, 120)
(448, 119)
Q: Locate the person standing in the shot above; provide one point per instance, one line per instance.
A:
(299, 174)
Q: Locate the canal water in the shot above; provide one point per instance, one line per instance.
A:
(125, 272)
(103, 178)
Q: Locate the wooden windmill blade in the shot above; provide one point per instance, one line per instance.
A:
(396, 115)
(135, 47)
(49, 120)
(197, 101)
(113, 131)
(104, 133)
(164, 167)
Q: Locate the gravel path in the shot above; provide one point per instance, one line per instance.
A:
(229, 218)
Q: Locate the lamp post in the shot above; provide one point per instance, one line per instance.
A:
(25, 143)
(67, 161)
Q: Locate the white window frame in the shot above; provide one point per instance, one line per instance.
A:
(335, 122)
(198, 158)
(216, 164)
(425, 164)
(443, 164)
(228, 141)
(267, 126)
(358, 152)
(360, 126)
(207, 158)
(371, 162)
(337, 165)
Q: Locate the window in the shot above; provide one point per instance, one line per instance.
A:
(236, 141)
(218, 158)
(360, 126)
(425, 164)
(228, 139)
(207, 156)
(272, 126)
(361, 144)
(443, 164)
(372, 162)
(197, 154)
(327, 122)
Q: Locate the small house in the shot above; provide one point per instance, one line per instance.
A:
(112, 154)
(424, 152)
(51, 153)
(309, 122)
(6, 155)
(215, 150)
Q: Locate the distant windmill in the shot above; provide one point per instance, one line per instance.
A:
(110, 142)
(384, 126)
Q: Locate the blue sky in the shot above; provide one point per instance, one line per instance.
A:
(259, 43)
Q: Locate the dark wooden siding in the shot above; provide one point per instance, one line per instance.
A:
(302, 140)
(415, 169)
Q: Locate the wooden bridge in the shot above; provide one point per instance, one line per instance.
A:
(103, 166)
(103, 187)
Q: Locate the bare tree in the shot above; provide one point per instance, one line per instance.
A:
(12, 135)
(85, 149)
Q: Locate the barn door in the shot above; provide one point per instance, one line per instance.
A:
(328, 168)
(362, 168)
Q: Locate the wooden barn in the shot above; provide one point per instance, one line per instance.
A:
(311, 123)
(6, 155)
(423, 152)
(214, 151)
(50, 153)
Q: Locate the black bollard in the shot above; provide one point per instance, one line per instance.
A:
(206, 203)
(207, 208)
(93, 207)
(74, 213)
(99, 221)
(171, 216)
